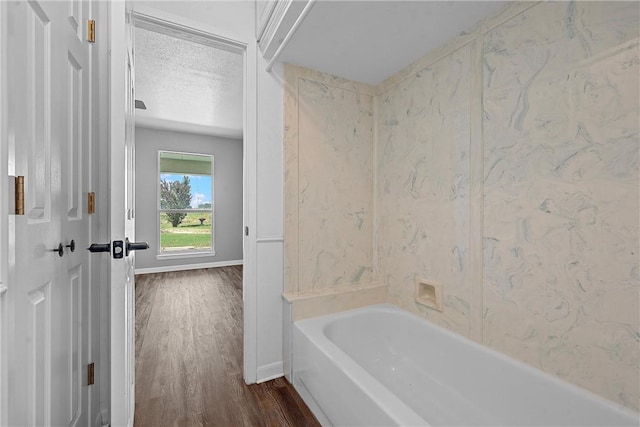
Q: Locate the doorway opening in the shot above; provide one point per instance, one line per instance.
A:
(190, 207)
(189, 148)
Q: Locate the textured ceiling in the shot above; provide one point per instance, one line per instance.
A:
(368, 41)
(188, 85)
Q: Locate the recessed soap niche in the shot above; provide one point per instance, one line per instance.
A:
(428, 293)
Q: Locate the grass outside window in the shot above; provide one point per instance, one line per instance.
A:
(191, 234)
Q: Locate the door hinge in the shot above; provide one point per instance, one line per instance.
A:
(246, 230)
(18, 194)
(91, 203)
(91, 31)
(91, 374)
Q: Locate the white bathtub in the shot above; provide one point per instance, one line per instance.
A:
(383, 366)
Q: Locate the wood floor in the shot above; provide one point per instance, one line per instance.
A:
(189, 356)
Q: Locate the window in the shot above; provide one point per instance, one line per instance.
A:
(185, 198)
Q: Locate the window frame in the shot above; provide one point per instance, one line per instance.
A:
(185, 253)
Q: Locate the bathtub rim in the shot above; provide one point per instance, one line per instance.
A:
(318, 325)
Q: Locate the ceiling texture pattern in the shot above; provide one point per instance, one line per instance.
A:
(182, 81)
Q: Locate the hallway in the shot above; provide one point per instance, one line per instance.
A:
(189, 356)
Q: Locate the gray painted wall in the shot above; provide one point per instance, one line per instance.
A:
(227, 193)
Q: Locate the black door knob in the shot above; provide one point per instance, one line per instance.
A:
(71, 246)
(59, 249)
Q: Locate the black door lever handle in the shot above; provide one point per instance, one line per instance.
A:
(135, 246)
(117, 247)
(99, 247)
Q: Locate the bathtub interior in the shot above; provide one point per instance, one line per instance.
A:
(414, 372)
(444, 378)
(335, 398)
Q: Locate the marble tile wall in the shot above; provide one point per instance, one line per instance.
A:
(522, 145)
(422, 190)
(328, 181)
(505, 168)
(561, 277)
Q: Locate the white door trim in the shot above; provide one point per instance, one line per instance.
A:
(4, 218)
(249, 47)
(116, 16)
(120, 355)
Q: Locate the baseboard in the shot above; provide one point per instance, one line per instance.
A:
(269, 372)
(166, 268)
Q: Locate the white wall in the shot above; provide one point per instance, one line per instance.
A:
(227, 196)
(270, 220)
(238, 17)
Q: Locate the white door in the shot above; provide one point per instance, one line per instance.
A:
(48, 85)
(75, 179)
(122, 223)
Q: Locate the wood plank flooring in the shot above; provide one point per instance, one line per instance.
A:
(189, 356)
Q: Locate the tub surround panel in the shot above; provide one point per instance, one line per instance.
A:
(476, 195)
(506, 169)
(561, 193)
(423, 187)
(330, 80)
(290, 141)
(335, 161)
(510, 10)
(333, 300)
(329, 179)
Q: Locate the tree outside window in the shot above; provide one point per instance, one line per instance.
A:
(175, 195)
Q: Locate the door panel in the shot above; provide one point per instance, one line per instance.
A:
(30, 152)
(74, 146)
(75, 344)
(37, 49)
(75, 16)
(38, 355)
(48, 130)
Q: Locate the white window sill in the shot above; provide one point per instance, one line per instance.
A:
(184, 254)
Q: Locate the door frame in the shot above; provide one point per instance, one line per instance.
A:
(118, 304)
(4, 223)
(248, 47)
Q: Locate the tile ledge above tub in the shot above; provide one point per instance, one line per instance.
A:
(304, 305)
